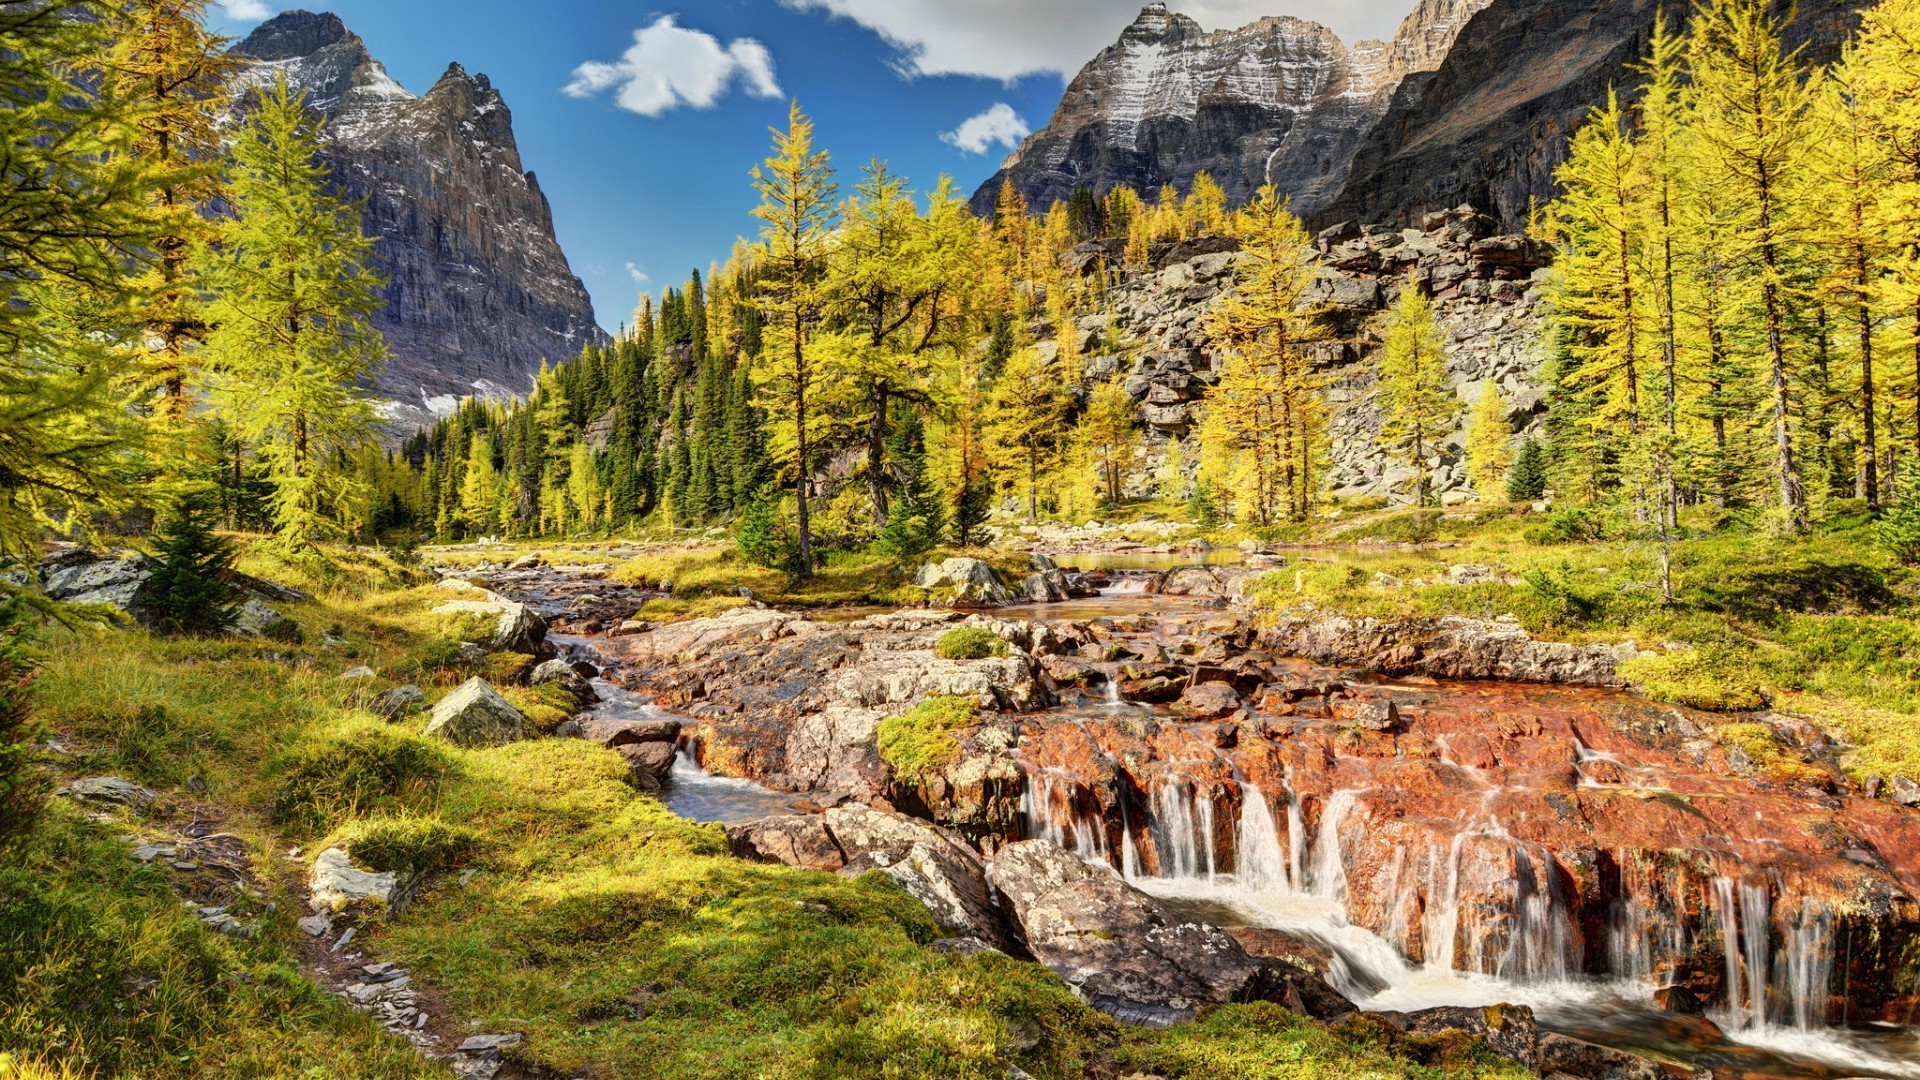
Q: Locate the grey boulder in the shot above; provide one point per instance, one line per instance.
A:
(964, 582)
(475, 715)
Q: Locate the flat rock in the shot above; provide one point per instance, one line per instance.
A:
(794, 839)
(613, 732)
(110, 789)
(337, 884)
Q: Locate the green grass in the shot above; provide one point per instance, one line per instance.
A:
(843, 579)
(623, 940)
(920, 740)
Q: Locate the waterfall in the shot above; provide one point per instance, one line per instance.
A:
(1260, 865)
(1296, 835)
(1755, 932)
(1539, 947)
(1743, 911)
(1180, 842)
(1328, 881)
(1810, 964)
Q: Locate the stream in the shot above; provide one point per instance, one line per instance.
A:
(1206, 838)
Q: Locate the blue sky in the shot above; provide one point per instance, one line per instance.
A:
(644, 151)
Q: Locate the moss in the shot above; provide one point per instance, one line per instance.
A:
(921, 740)
(1696, 680)
(970, 643)
(336, 776)
(509, 668)
(408, 844)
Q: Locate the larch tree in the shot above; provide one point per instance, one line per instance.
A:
(797, 195)
(1110, 437)
(1661, 112)
(478, 489)
(293, 297)
(1489, 443)
(1413, 390)
(165, 60)
(1266, 410)
(1750, 106)
(1026, 418)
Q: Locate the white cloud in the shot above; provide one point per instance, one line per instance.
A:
(999, 124)
(1007, 39)
(639, 276)
(669, 66)
(246, 10)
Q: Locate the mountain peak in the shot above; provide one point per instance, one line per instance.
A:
(293, 34)
(1156, 23)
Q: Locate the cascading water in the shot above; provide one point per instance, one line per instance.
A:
(1260, 865)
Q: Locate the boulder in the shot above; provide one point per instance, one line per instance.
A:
(612, 732)
(648, 763)
(559, 671)
(520, 629)
(337, 884)
(1905, 791)
(1567, 1056)
(937, 867)
(1045, 587)
(907, 678)
(794, 839)
(1448, 647)
(396, 702)
(475, 715)
(964, 582)
(1124, 951)
(254, 619)
(81, 577)
(109, 789)
(1509, 1030)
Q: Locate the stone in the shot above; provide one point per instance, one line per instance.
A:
(648, 763)
(475, 715)
(1208, 701)
(398, 701)
(934, 865)
(613, 732)
(361, 672)
(520, 629)
(1124, 951)
(480, 1044)
(1448, 647)
(559, 671)
(1510, 1030)
(254, 619)
(1906, 791)
(794, 839)
(1042, 563)
(1558, 1054)
(1473, 574)
(1045, 587)
(336, 884)
(315, 925)
(1378, 716)
(1679, 1000)
(110, 789)
(964, 582)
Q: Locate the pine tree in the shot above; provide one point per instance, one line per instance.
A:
(1027, 412)
(1266, 409)
(1488, 434)
(293, 298)
(1661, 111)
(477, 487)
(797, 209)
(72, 209)
(189, 591)
(1527, 480)
(1111, 438)
(1420, 407)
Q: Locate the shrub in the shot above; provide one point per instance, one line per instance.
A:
(1710, 681)
(1201, 507)
(403, 845)
(327, 780)
(23, 782)
(190, 594)
(921, 740)
(970, 643)
(759, 537)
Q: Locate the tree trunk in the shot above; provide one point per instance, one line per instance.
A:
(1870, 478)
(804, 559)
(877, 454)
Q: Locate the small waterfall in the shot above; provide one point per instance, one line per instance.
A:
(1810, 964)
(1743, 912)
(1755, 933)
(1260, 865)
(1036, 806)
(1540, 947)
(1328, 880)
(1296, 835)
(1185, 839)
(1443, 907)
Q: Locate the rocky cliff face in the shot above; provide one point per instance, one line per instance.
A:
(478, 289)
(1490, 122)
(1282, 101)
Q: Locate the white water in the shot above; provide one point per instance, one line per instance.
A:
(1536, 962)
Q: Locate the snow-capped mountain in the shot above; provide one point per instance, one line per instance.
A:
(1280, 101)
(478, 290)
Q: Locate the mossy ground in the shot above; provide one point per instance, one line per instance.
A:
(623, 940)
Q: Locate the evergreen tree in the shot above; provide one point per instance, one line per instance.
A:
(1420, 407)
(1026, 413)
(189, 590)
(796, 207)
(1110, 437)
(293, 298)
(1527, 480)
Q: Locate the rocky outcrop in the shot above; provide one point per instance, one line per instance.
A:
(1490, 123)
(1121, 949)
(963, 582)
(1280, 101)
(478, 291)
(123, 581)
(1448, 647)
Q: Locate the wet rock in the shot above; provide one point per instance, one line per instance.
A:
(1560, 1054)
(1208, 701)
(648, 763)
(475, 715)
(1045, 587)
(1679, 1000)
(561, 672)
(1128, 953)
(336, 884)
(963, 582)
(794, 839)
(396, 702)
(1509, 1030)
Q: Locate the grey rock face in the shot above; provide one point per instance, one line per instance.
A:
(1450, 647)
(476, 715)
(963, 582)
(478, 290)
(1126, 951)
